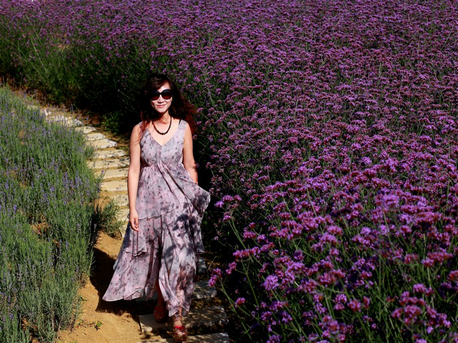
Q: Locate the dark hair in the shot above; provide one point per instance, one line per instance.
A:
(180, 107)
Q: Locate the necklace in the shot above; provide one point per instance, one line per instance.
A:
(163, 133)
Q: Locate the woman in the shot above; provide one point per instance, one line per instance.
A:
(163, 239)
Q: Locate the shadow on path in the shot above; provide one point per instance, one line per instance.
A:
(100, 278)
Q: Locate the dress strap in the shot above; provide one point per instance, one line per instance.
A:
(182, 127)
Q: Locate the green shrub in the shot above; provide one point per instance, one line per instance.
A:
(47, 195)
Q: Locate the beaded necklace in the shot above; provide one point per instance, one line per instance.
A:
(163, 133)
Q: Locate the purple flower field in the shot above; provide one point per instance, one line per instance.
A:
(329, 129)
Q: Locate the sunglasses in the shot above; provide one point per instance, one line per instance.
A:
(166, 94)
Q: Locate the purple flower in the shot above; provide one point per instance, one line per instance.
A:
(274, 339)
(354, 305)
(271, 282)
(239, 301)
(419, 288)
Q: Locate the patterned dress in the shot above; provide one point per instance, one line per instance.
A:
(170, 207)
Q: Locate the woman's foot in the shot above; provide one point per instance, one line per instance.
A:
(160, 313)
(180, 333)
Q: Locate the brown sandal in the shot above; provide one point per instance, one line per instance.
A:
(180, 334)
(160, 314)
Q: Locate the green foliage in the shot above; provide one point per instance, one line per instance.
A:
(105, 217)
(47, 193)
(114, 122)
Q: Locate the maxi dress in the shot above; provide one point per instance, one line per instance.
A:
(170, 207)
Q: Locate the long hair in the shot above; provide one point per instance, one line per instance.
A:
(180, 108)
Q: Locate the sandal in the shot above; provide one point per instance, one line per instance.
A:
(180, 334)
(160, 314)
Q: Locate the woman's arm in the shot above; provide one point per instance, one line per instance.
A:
(188, 156)
(133, 175)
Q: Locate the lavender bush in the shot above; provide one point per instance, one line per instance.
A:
(329, 129)
(46, 204)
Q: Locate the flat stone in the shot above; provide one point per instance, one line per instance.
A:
(123, 227)
(112, 174)
(221, 337)
(203, 291)
(104, 154)
(95, 136)
(207, 316)
(122, 214)
(109, 163)
(85, 129)
(47, 112)
(35, 108)
(63, 120)
(121, 200)
(202, 266)
(102, 144)
(114, 186)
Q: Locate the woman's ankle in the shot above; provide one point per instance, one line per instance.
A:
(177, 321)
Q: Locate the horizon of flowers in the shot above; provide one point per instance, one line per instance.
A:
(329, 128)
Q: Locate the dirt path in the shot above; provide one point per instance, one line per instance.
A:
(100, 321)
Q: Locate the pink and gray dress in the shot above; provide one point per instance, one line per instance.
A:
(170, 207)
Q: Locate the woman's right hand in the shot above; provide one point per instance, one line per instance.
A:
(133, 220)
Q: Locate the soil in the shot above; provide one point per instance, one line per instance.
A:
(100, 321)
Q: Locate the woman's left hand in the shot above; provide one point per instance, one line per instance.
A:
(133, 219)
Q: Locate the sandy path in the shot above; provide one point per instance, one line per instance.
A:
(100, 321)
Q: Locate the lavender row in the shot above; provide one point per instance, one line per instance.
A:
(46, 207)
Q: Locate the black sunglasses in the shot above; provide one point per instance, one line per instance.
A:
(166, 94)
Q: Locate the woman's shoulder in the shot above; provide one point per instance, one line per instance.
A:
(182, 122)
(180, 119)
(137, 132)
(137, 128)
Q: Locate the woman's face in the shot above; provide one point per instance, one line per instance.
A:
(162, 105)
